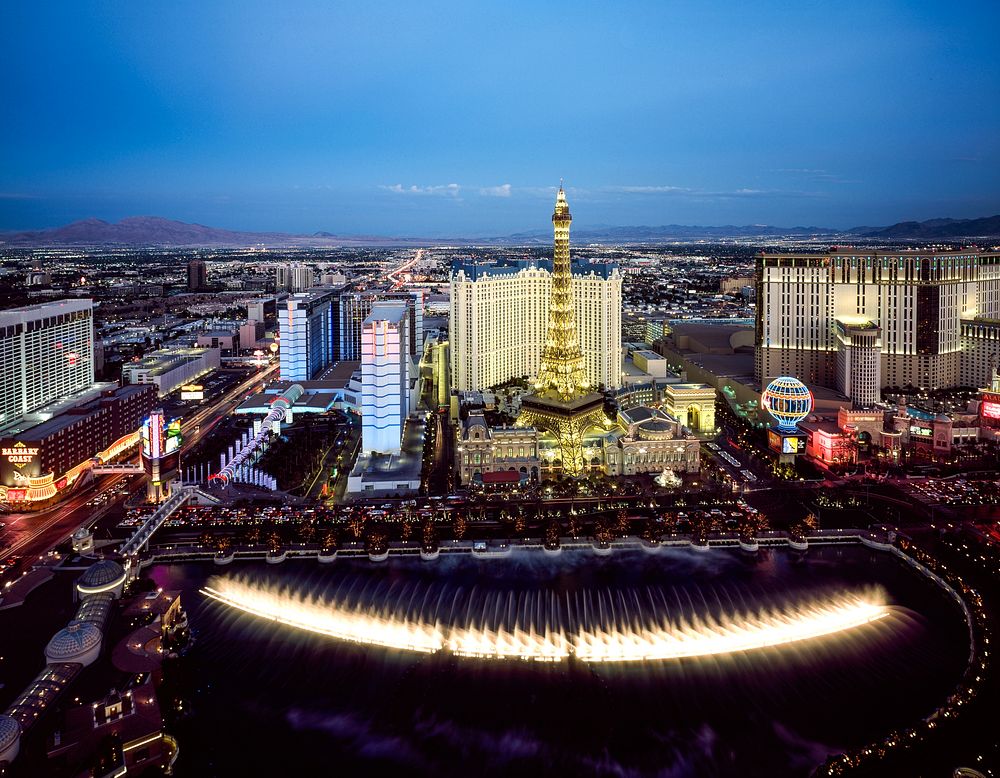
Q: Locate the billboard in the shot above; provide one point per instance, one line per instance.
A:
(19, 461)
(989, 408)
(159, 438)
(192, 392)
(793, 445)
(785, 443)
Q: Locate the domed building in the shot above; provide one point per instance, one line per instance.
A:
(649, 440)
(104, 576)
(10, 738)
(83, 541)
(78, 642)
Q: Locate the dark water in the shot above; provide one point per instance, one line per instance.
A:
(271, 700)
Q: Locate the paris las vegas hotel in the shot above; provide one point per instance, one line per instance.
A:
(499, 312)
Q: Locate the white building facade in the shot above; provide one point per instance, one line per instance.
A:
(46, 354)
(499, 313)
(385, 389)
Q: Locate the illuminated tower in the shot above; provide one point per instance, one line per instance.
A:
(562, 373)
(563, 403)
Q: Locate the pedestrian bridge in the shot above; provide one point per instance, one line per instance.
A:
(155, 520)
(123, 467)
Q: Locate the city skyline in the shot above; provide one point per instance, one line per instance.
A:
(454, 121)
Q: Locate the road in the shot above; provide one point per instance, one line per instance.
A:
(32, 534)
(397, 283)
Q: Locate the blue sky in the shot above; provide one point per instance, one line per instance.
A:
(459, 118)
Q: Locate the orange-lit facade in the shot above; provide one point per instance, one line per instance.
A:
(42, 460)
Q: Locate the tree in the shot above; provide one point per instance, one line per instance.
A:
(621, 522)
(602, 533)
(428, 534)
(330, 540)
(307, 532)
(552, 534)
(459, 525)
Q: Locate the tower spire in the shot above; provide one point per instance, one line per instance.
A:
(562, 373)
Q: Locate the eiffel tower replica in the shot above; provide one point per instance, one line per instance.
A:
(564, 403)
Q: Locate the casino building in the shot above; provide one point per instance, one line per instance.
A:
(860, 320)
(563, 426)
(46, 355)
(41, 460)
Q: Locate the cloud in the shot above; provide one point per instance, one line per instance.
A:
(496, 191)
(17, 196)
(446, 190)
(815, 174)
(660, 189)
(703, 194)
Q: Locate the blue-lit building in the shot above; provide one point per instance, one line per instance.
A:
(305, 327)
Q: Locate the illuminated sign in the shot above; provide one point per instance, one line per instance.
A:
(19, 454)
(160, 439)
(786, 444)
(792, 445)
(990, 406)
(924, 432)
(192, 392)
(16, 495)
(19, 462)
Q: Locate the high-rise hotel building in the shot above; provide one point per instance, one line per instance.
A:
(499, 313)
(305, 333)
(860, 320)
(46, 355)
(385, 387)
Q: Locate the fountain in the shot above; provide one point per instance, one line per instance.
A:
(542, 626)
(668, 479)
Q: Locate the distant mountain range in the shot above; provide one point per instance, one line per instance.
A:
(156, 231)
(940, 229)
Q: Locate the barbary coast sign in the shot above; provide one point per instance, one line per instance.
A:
(19, 454)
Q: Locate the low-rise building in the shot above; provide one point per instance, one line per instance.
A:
(482, 449)
(169, 368)
(48, 457)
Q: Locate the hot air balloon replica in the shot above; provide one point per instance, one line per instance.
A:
(788, 401)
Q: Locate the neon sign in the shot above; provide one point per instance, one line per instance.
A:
(990, 410)
(19, 454)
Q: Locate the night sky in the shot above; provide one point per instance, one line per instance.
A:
(436, 119)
